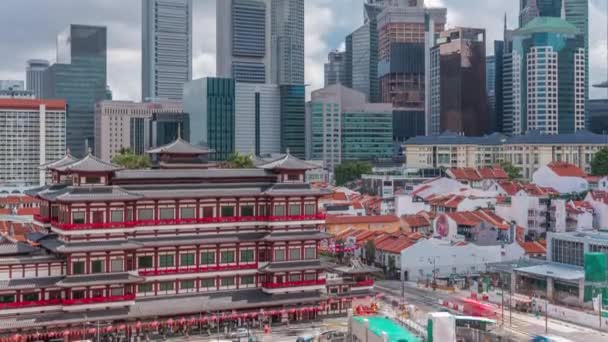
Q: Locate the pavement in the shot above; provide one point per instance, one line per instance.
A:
(520, 326)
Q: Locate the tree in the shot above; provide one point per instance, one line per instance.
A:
(129, 160)
(391, 265)
(239, 161)
(370, 252)
(350, 171)
(599, 164)
(511, 170)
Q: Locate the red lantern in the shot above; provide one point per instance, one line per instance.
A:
(192, 320)
(170, 321)
(122, 327)
(203, 319)
(109, 328)
(292, 310)
(245, 315)
(182, 321)
(154, 324)
(92, 331)
(138, 325)
(214, 318)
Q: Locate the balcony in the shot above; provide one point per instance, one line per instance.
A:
(19, 305)
(270, 285)
(364, 283)
(99, 300)
(198, 270)
(42, 219)
(175, 222)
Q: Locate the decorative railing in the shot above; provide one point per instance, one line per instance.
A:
(201, 269)
(34, 303)
(97, 300)
(269, 285)
(42, 219)
(172, 222)
(367, 282)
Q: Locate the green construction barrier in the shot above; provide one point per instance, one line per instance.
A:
(595, 267)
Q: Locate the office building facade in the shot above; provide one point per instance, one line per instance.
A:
(79, 76)
(491, 93)
(257, 119)
(166, 48)
(34, 76)
(287, 35)
(244, 40)
(497, 108)
(458, 83)
(211, 104)
(293, 121)
(33, 133)
(549, 90)
(597, 110)
(125, 124)
(335, 69)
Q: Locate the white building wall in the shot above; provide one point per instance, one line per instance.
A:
(545, 177)
(270, 118)
(404, 205)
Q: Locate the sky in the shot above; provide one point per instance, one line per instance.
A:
(28, 29)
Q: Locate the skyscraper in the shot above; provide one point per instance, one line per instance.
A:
(458, 83)
(548, 68)
(335, 68)
(79, 76)
(34, 73)
(491, 93)
(243, 40)
(287, 34)
(166, 48)
(499, 47)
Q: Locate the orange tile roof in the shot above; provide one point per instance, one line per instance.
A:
(28, 211)
(357, 205)
(15, 230)
(533, 247)
(32, 104)
(334, 219)
(493, 172)
(17, 200)
(396, 243)
(5, 211)
(564, 169)
(415, 221)
(473, 218)
(465, 173)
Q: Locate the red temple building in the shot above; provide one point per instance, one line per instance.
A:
(176, 246)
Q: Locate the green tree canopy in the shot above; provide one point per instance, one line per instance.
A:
(238, 161)
(599, 164)
(350, 171)
(511, 170)
(129, 160)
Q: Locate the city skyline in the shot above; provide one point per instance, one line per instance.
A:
(325, 31)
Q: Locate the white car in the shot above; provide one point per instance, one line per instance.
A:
(240, 332)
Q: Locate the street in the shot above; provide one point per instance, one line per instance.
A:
(519, 325)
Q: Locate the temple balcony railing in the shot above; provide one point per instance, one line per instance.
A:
(201, 269)
(67, 302)
(287, 284)
(176, 222)
(364, 283)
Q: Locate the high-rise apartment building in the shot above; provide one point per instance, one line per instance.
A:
(293, 119)
(335, 69)
(33, 133)
(548, 85)
(125, 124)
(287, 35)
(497, 109)
(34, 75)
(79, 76)
(12, 85)
(491, 93)
(244, 40)
(166, 48)
(458, 83)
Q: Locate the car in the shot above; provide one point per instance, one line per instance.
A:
(305, 338)
(240, 332)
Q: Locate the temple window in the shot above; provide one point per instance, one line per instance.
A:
(117, 265)
(247, 280)
(295, 277)
(227, 257)
(309, 209)
(262, 210)
(129, 214)
(227, 281)
(98, 216)
(116, 215)
(165, 286)
(187, 285)
(208, 211)
(294, 209)
(310, 276)
(96, 293)
(91, 180)
(78, 294)
(97, 266)
(55, 294)
(294, 253)
(145, 261)
(187, 259)
(208, 258)
(279, 210)
(167, 213)
(227, 211)
(143, 288)
(187, 213)
(78, 267)
(293, 177)
(247, 210)
(166, 260)
(7, 298)
(145, 214)
(117, 291)
(310, 253)
(208, 283)
(279, 254)
(247, 255)
(78, 217)
(30, 297)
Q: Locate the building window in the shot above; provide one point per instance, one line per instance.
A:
(247, 280)
(295, 277)
(279, 210)
(145, 261)
(78, 294)
(78, 217)
(247, 255)
(294, 254)
(55, 294)
(78, 267)
(207, 283)
(227, 281)
(166, 260)
(208, 258)
(167, 213)
(116, 265)
(208, 212)
(165, 286)
(97, 266)
(98, 216)
(310, 253)
(143, 288)
(294, 209)
(226, 257)
(30, 297)
(309, 209)
(116, 215)
(310, 276)
(92, 180)
(279, 254)
(187, 284)
(186, 213)
(187, 259)
(227, 211)
(7, 298)
(145, 214)
(117, 291)
(247, 210)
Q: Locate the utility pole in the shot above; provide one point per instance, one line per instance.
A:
(599, 308)
(547, 316)
(502, 299)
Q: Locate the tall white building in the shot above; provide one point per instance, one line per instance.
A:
(257, 118)
(287, 32)
(166, 48)
(32, 132)
(244, 40)
(114, 126)
(34, 76)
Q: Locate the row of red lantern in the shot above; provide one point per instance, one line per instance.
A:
(138, 326)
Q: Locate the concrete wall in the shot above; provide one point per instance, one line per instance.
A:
(545, 177)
